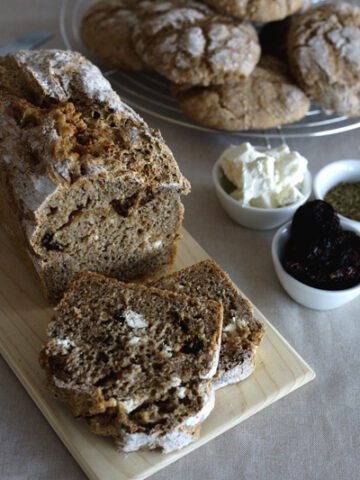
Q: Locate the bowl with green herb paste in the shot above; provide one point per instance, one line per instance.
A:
(338, 183)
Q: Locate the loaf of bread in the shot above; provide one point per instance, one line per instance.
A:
(242, 332)
(135, 362)
(85, 184)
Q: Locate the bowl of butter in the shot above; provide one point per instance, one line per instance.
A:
(261, 188)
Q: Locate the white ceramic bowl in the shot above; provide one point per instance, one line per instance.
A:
(334, 173)
(308, 296)
(252, 217)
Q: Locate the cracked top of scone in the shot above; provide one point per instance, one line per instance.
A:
(257, 10)
(187, 42)
(267, 98)
(324, 56)
(61, 122)
(106, 30)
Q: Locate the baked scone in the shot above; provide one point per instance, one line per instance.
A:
(135, 362)
(85, 184)
(186, 42)
(106, 30)
(324, 56)
(257, 10)
(267, 98)
(242, 332)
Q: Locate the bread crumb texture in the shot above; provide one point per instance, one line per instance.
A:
(85, 183)
(242, 332)
(135, 363)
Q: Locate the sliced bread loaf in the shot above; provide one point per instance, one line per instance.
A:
(242, 332)
(135, 362)
(85, 184)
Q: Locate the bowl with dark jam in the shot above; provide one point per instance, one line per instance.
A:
(317, 257)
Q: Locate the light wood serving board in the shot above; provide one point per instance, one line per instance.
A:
(24, 316)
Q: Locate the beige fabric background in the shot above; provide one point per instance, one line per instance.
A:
(310, 434)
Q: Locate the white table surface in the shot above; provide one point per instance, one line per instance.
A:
(312, 433)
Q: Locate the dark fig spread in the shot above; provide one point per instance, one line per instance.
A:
(319, 252)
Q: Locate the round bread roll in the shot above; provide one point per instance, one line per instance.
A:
(106, 31)
(324, 56)
(268, 98)
(257, 10)
(186, 42)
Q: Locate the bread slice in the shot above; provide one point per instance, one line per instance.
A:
(242, 332)
(135, 362)
(85, 184)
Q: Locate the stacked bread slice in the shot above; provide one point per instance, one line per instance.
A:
(141, 363)
(242, 332)
(120, 356)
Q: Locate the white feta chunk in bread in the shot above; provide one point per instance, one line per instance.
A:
(135, 320)
(175, 381)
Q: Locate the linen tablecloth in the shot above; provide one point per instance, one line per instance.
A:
(311, 434)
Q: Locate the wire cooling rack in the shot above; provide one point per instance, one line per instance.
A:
(150, 93)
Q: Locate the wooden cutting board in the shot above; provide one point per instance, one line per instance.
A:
(23, 320)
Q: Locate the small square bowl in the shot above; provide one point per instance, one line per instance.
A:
(334, 173)
(309, 297)
(253, 217)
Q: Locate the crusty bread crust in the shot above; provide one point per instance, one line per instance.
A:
(185, 433)
(86, 184)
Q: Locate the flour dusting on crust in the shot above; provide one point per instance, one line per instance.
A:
(60, 78)
(189, 43)
(181, 436)
(63, 75)
(324, 56)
